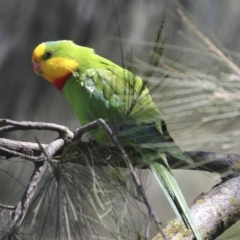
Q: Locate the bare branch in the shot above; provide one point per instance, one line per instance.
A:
(28, 148)
(225, 164)
(222, 214)
(24, 203)
(7, 207)
(213, 212)
(49, 151)
(26, 125)
(7, 152)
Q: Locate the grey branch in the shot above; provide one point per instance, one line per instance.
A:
(51, 149)
(26, 125)
(7, 207)
(40, 168)
(225, 164)
(28, 148)
(47, 152)
(212, 219)
(213, 212)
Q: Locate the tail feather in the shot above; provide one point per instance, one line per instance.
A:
(172, 191)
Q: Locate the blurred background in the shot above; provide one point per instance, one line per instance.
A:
(99, 24)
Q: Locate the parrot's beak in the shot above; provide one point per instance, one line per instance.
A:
(36, 67)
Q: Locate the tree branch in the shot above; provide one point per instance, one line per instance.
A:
(213, 212)
(26, 125)
(212, 219)
(40, 168)
(28, 148)
(49, 151)
(225, 164)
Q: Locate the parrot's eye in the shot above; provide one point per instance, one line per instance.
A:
(49, 54)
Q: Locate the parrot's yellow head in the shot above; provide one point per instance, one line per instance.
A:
(54, 61)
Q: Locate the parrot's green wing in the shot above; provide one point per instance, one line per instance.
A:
(99, 93)
(119, 97)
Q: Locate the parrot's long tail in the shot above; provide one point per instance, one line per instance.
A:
(165, 178)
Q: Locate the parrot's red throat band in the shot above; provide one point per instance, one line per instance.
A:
(60, 82)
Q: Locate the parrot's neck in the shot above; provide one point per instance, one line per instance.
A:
(60, 82)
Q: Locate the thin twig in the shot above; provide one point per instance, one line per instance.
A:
(80, 131)
(26, 125)
(7, 207)
(20, 155)
(28, 148)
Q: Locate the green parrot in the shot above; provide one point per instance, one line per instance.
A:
(97, 88)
